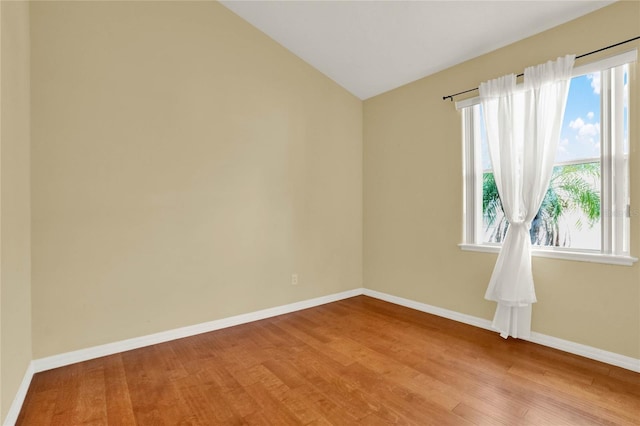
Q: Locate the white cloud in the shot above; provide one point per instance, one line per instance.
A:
(577, 123)
(584, 129)
(586, 134)
(589, 129)
(590, 115)
(595, 82)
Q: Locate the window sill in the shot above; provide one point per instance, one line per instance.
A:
(580, 256)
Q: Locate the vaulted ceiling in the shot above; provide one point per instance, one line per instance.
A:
(370, 47)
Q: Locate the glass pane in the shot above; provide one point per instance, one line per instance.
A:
(494, 223)
(570, 212)
(580, 134)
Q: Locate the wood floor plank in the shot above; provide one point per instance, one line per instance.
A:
(204, 403)
(359, 361)
(46, 402)
(67, 404)
(333, 411)
(151, 377)
(408, 404)
(476, 417)
(229, 390)
(118, 401)
(92, 405)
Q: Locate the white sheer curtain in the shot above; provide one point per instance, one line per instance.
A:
(523, 128)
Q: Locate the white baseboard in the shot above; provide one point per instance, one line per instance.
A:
(590, 352)
(18, 400)
(423, 307)
(61, 360)
(67, 358)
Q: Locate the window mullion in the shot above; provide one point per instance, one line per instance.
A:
(619, 178)
(606, 164)
(468, 165)
(614, 176)
(472, 167)
(478, 176)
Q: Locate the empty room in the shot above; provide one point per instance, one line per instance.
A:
(319, 212)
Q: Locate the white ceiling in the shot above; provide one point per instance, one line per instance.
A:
(370, 47)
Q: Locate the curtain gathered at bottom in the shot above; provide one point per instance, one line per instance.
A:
(523, 126)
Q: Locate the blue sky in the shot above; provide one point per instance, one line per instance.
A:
(580, 135)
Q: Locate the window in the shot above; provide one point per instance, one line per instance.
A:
(585, 213)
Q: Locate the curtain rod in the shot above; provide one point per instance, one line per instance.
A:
(577, 57)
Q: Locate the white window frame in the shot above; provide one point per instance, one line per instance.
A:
(615, 203)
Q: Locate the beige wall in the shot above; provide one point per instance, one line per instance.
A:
(413, 198)
(15, 225)
(184, 165)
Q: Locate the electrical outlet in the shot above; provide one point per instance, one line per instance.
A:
(294, 279)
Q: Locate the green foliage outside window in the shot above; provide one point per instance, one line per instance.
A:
(573, 188)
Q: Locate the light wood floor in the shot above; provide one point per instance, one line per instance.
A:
(357, 361)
